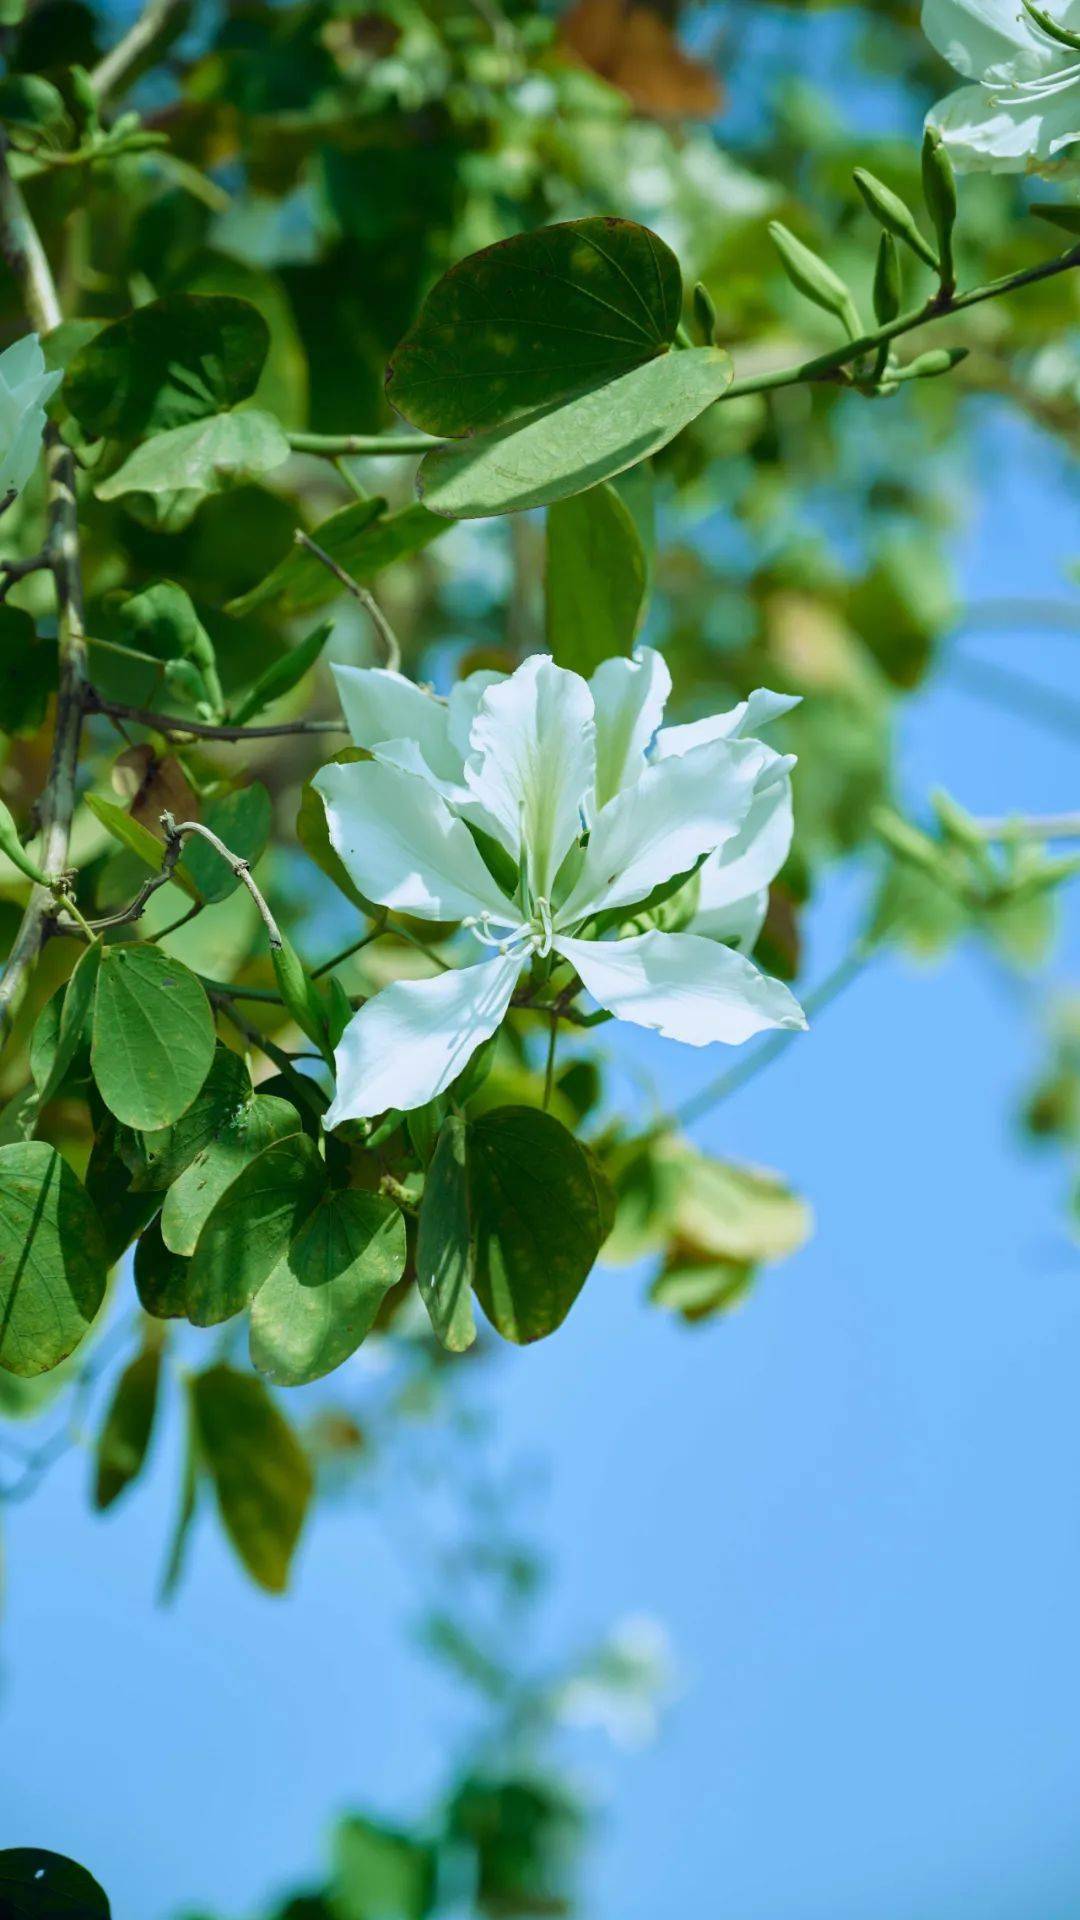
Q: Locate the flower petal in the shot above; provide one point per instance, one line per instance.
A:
(684, 987)
(680, 808)
(986, 37)
(402, 845)
(629, 696)
(1019, 131)
(380, 705)
(412, 1040)
(739, 723)
(733, 883)
(533, 763)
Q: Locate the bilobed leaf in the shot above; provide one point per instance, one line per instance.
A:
(282, 675)
(252, 1226)
(169, 363)
(242, 821)
(565, 449)
(125, 1438)
(533, 319)
(153, 1040)
(51, 1056)
(537, 1220)
(323, 1297)
(260, 1471)
(249, 1129)
(160, 1276)
(206, 457)
(37, 1885)
(158, 1157)
(445, 1254)
(53, 1264)
(595, 579)
(362, 538)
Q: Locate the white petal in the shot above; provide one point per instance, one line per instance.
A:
(402, 845)
(988, 37)
(742, 870)
(686, 988)
(1016, 131)
(465, 697)
(409, 1042)
(23, 450)
(533, 763)
(739, 723)
(629, 696)
(380, 705)
(679, 809)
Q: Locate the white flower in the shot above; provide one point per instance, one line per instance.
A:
(24, 388)
(1021, 112)
(588, 814)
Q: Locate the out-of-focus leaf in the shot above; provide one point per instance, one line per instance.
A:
(595, 579)
(242, 822)
(125, 1437)
(36, 1885)
(362, 538)
(282, 675)
(260, 1471)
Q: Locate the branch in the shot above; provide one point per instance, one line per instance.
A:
(117, 67)
(25, 255)
(367, 600)
(176, 728)
(1030, 826)
(175, 835)
(336, 446)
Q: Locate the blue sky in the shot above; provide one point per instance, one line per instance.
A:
(853, 1504)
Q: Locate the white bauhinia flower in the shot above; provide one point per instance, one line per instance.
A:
(25, 385)
(1020, 112)
(589, 814)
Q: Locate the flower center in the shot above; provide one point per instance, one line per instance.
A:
(518, 938)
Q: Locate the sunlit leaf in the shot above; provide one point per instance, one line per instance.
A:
(252, 1226)
(153, 1037)
(53, 1263)
(323, 1297)
(205, 457)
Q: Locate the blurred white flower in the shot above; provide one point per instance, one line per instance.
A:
(623, 1686)
(1021, 112)
(590, 806)
(25, 385)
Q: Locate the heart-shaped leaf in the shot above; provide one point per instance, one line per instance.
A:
(533, 319)
(171, 362)
(153, 1038)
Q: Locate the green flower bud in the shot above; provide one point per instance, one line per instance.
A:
(939, 192)
(12, 846)
(927, 366)
(893, 214)
(705, 315)
(811, 276)
(887, 289)
(300, 995)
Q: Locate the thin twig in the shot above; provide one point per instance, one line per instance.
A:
(340, 445)
(139, 40)
(1030, 826)
(175, 834)
(176, 729)
(367, 600)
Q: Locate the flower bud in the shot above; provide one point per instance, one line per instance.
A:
(300, 995)
(893, 214)
(939, 192)
(887, 290)
(12, 846)
(811, 276)
(926, 366)
(705, 315)
(25, 385)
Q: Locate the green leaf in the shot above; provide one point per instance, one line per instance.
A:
(206, 457)
(252, 1226)
(730, 1211)
(36, 1885)
(158, 1158)
(153, 1040)
(314, 834)
(125, 1437)
(533, 319)
(53, 1050)
(566, 449)
(538, 1222)
(260, 1472)
(381, 1874)
(445, 1253)
(699, 1290)
(53, 1264)
(323, 1298)
(27, 672)
(243, 1135)
(595, 579)
(362, 538)
(242, 821)
(160, 1276)
(122, 1209)
(1059, 213)
(167, 364)
(137, 839)
(281, 676)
